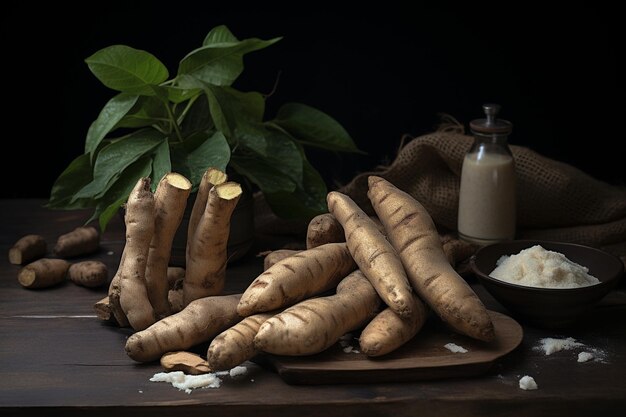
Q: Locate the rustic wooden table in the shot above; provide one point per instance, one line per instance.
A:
(57, 357)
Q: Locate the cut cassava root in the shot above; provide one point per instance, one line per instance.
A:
(27, 249)
(170, 200)
(43, 273)
(411, 231)
(211, 177)
(207, 254)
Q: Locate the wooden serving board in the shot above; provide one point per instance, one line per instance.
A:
(423, 358)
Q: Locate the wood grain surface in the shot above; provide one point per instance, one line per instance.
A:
(425, 357)
(57, 358)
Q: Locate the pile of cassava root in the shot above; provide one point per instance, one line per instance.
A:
(379, 275)
(40, 271)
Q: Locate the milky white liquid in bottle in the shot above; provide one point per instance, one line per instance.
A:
(487, 194)
(487, 198)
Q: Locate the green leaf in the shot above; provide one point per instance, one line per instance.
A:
(221, 111)
(220, 63)
(109, 116)
(262, 173)
(280, 170)
(305, 202)
(237, 114)
(118, 194)
(219, 34)
(314, 128)
(161, 163)
(146, 112)
(198, 118)
(72, 179)
(117, 156)
(248, 105)
(126, 69)
(212, 151)
(177, 94)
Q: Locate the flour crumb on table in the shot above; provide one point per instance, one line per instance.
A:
(528, 383)
(188, 383)
(454, 348)
(550, 345)
(237, 371)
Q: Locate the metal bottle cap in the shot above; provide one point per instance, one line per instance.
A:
(491, 124)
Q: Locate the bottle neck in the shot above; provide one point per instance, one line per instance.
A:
(495, 138)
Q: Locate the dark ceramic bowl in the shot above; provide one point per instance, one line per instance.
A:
(548, 307)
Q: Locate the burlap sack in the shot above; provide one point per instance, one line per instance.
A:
(555, 200)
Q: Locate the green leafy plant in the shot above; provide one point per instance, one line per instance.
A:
(195, 120)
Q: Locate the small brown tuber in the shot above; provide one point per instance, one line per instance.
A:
(27, 249)
(91, 274)
(277, 256)
(80, 241)
(322, 229)
(43, 273)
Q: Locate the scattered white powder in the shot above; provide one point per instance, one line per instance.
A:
(237, 371)
(550, 345)
(585, 356)
(346, 343)
(527, 383)
(187, 383)
(452, 347)
(538, 267)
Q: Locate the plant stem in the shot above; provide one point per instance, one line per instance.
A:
(186, 109)
(173, 122)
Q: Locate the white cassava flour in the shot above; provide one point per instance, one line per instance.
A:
(188, 383)
(538, 267)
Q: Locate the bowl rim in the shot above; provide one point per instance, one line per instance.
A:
(611, 281)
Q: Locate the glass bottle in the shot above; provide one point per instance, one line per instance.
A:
(487, 204)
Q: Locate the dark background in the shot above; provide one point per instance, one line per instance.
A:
(381, 72)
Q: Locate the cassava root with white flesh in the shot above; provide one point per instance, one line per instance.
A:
(207, 255)
(170, 200)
